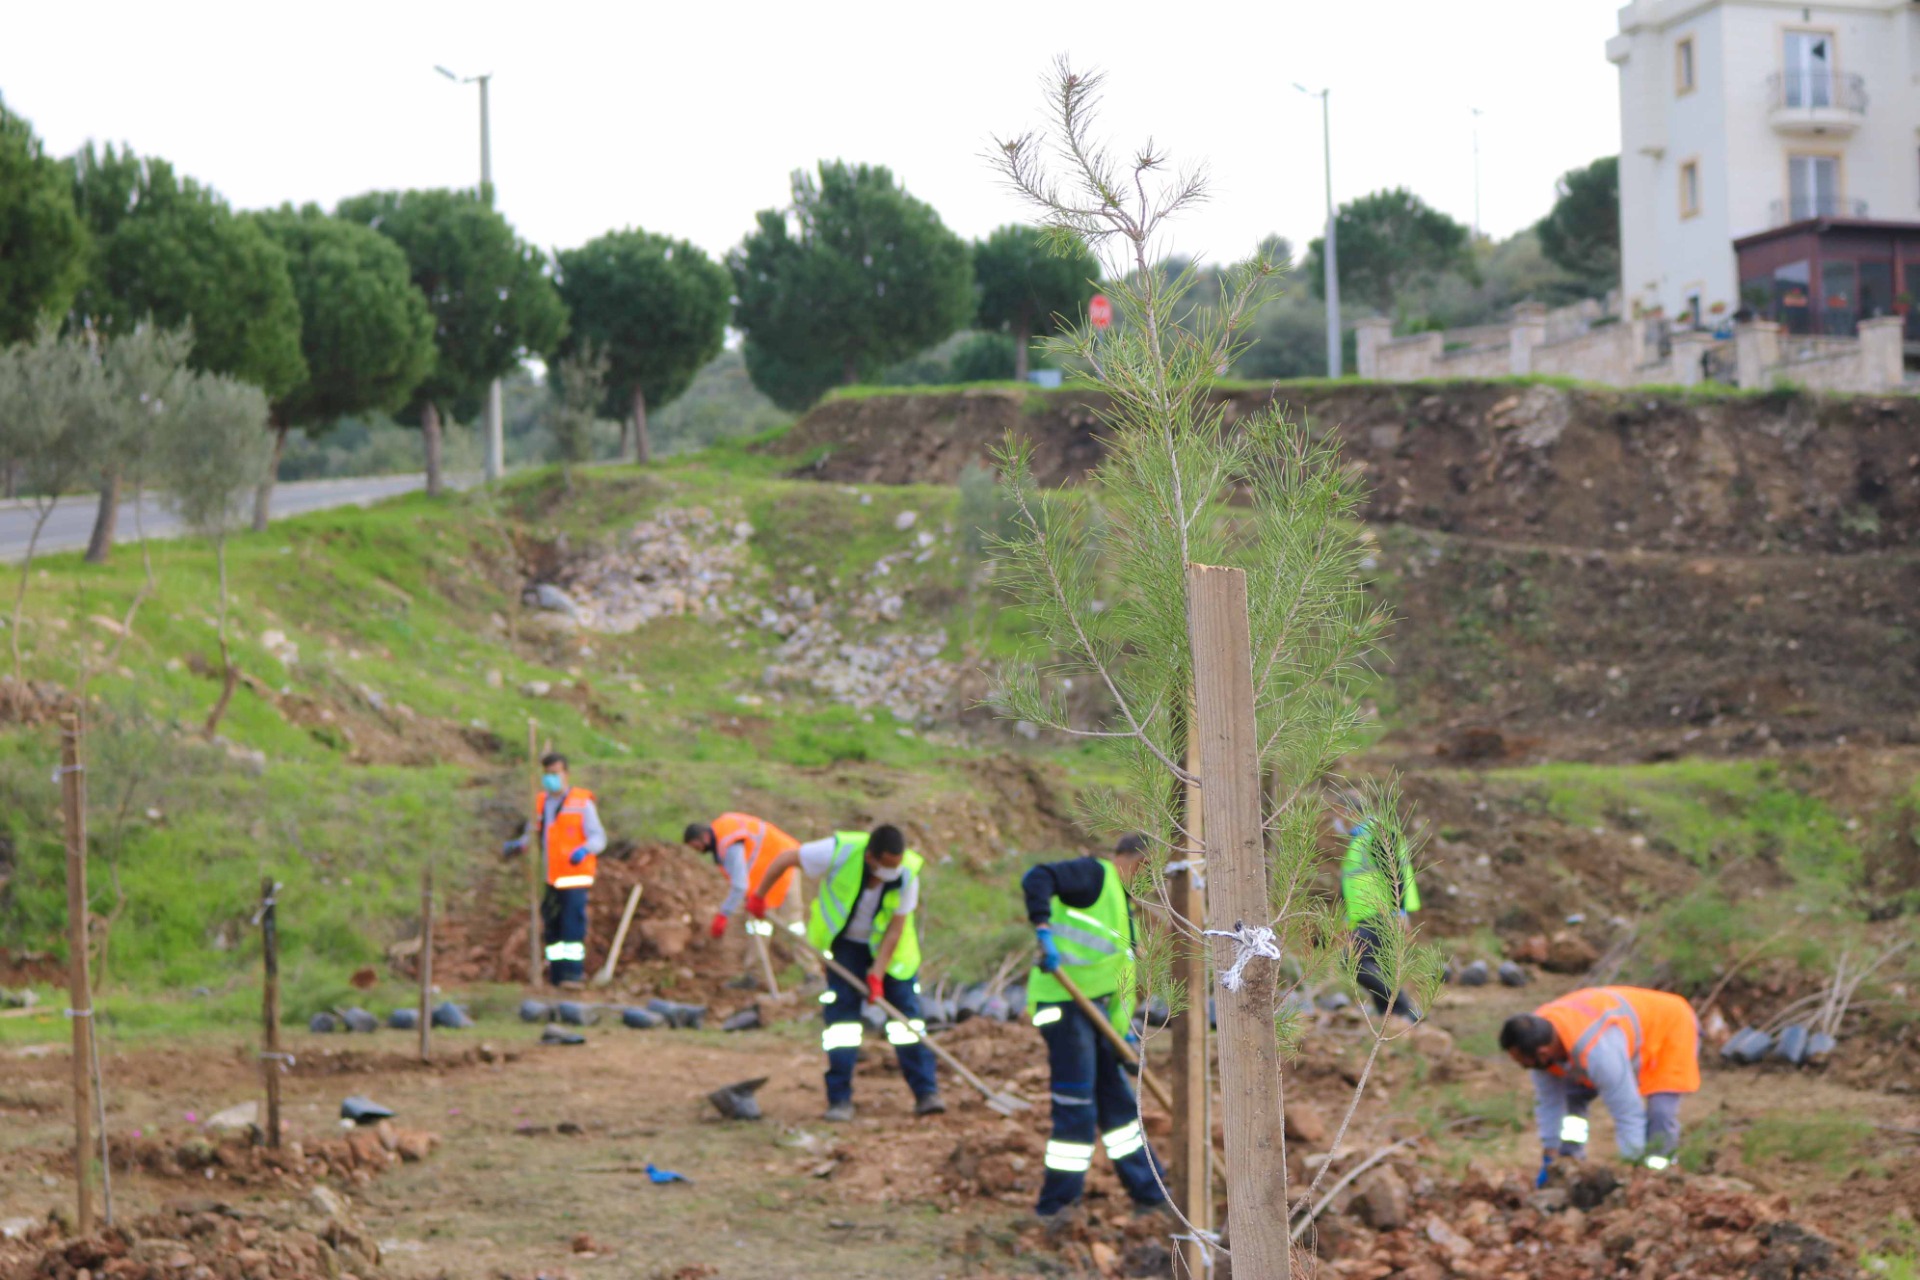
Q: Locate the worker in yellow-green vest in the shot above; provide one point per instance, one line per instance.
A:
(1379, 890)
(1083, 921)
(863, 914)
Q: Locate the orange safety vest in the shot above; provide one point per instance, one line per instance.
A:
(1663, 1037)
(567, 833)
(764, 842)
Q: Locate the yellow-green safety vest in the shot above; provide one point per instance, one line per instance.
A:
(840, 891)
(1368, 887)
(1096, 951)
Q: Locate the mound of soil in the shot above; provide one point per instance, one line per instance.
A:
(1589, 466)
(201, 1242)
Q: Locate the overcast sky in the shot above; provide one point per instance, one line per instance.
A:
(688, 117)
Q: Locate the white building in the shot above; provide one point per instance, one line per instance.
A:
(1796, 123)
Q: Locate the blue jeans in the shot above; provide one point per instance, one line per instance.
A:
(844, 1030)
(1092, 1099)
(563, 919)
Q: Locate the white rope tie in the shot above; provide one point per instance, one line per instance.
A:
(285, 1058)
(79, 1013)
(1247, 943)
(62, 770)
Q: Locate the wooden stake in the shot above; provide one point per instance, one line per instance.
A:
(270, 1005)
(766, 963)
(73, 805)
(536, 855)
(426, 961)
(612, 961)
(1192, 1127)
(1224, 727)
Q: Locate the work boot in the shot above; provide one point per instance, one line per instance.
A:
(839, 1112)
(1061, 1222)
(929, 1104)
(573, 984)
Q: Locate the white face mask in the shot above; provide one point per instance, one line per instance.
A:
(887, 875)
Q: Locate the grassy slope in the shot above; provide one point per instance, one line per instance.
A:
(403, 605)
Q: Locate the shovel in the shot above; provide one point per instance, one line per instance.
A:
(1007, 1104)
(605, 975)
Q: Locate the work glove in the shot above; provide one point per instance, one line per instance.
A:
(719, 925)
(1546, 1165)
(756, 906)
(876, 987)
(577, 857)
(1049, 953)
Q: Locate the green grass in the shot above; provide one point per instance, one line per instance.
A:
(1837, 1144)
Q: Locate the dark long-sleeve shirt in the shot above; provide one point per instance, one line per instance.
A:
(1078, 882)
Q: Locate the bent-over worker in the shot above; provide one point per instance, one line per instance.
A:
(1634, 1049)
(571, 838)
(868, 888)
(1378, 887)
(1083, 920)
(743, 847)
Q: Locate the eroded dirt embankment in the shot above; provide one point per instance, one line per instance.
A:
(1591, 467)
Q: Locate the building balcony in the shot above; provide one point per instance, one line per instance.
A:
(1806, 208)
(1815, 102)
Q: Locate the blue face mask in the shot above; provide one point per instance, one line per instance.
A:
(554, 783)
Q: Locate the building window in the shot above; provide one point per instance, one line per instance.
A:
(1809, 80)
(1689, 188)
(1813, 187)
(1683, 67)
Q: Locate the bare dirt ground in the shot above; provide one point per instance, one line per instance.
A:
(539, 1169)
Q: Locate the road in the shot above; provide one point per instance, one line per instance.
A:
(71, 523)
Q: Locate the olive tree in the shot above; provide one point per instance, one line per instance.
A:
(213, 453)
(56, 417)
(579, 387)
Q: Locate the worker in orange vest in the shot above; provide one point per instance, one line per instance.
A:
(570, 836)
(743, 847)
(1636, 1050)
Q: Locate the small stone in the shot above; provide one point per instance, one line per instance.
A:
(1304, 1123)
(238, 1118)
(1568, 952)
(1384, 1200)
(1447, 1238)
(904, 521)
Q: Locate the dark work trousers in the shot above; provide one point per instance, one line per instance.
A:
(844, 1030)
(563, 920)
(1092, 1102)
(1366, 943)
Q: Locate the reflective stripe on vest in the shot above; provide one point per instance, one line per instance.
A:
(839, 895)
(1096, 950)
(567, 832)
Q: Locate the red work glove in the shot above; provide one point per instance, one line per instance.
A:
(719, 925)
(756, 906)
(876, 987)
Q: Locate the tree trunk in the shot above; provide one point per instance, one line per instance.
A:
(430, 437)
(849, 371)
(229, 673)
(263, 495)
(1231, 827)
(106, 519)
(11, 481)
(1022, 338)
(642, 443)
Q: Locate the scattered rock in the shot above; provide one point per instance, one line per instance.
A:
(667, 938)
(1533, 950)
(905, 520)
(554, 600)
(1304, 1123)
(1383, 1201)
(239, 1118)
(1568, 952)
(1430, 1041)
(1447, 1238)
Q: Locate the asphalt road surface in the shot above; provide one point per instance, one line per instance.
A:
(71, 523)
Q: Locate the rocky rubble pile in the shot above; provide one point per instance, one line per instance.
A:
(693, 562)
(353, 1159)
(203, 1241)
(1653, 1225)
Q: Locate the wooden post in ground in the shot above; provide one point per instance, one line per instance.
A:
(535, 855)
(426, 961)
(1192, 1126)
(1224, 727)
(73, 807)
(270, 1004)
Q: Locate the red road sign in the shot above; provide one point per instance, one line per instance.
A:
(1100, 311)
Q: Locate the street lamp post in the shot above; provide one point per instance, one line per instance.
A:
(496, 460)
(1332, 255)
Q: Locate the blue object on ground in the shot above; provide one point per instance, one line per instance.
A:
(659, 1175)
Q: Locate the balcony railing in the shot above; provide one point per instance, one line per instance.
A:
(1802, 208)
(1816, 91)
